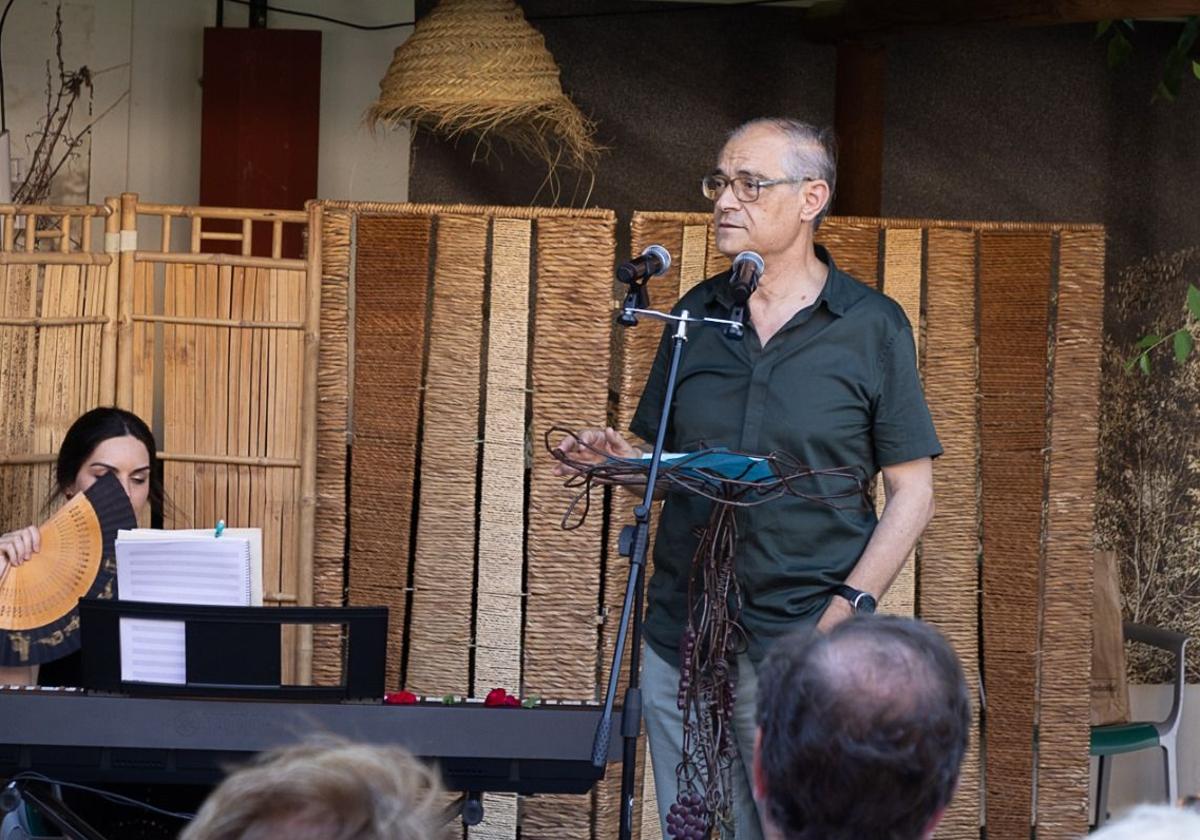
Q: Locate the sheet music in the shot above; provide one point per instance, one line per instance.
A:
(172, 567)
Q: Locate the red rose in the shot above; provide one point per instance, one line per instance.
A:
(400, 698)
(501, 698)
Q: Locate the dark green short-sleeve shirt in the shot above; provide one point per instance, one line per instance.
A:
(837, 386)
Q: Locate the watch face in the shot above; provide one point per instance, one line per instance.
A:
(865, 603)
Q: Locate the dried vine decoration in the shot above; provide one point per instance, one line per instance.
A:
(713, 637)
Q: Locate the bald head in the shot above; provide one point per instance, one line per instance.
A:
(812, 152)
(863, 730)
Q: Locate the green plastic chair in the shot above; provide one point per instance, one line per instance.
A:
(1115, 739)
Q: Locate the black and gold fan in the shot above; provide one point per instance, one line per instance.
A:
(39, 599)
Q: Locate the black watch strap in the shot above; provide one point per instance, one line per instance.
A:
(860, 602)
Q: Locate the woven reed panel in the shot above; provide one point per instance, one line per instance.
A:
(501, 508)
(901, 281)
(854, 245)
(18, 350)
(390, 288)
(1064, 702)
(636, 348)
(333, 429)
(569, 372)
(949, 580)
(444, 565)
(1014, 288)
(499, 591)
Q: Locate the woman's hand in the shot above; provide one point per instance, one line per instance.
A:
(593, 446)
(18, 546)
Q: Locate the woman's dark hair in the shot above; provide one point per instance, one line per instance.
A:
(93, 428)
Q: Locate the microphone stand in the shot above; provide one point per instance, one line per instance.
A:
(633, 544)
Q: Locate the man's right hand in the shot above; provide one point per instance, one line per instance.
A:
(593, 446)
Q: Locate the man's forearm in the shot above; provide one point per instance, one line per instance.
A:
(905, 516)
(907, 511)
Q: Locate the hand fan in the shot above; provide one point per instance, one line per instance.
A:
(39, 598)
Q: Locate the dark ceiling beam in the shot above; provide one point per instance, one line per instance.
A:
(858, 123)
(860, 18)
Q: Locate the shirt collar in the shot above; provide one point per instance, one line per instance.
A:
(839, 293)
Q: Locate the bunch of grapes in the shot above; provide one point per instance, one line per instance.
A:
(687, 818)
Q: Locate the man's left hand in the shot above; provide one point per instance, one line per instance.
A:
(839, 610)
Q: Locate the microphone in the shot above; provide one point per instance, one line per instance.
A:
(747, 268)
(655, 260)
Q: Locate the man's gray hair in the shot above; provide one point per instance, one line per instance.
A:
(813, 152)
(1152, 822)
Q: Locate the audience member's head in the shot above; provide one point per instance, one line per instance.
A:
(861, 731)
(324, 790)
(1153, 822)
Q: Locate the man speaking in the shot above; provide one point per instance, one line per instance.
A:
(826, 372)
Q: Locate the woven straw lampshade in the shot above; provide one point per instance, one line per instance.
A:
(477, 66)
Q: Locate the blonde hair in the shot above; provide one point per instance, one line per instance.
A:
(324, 789)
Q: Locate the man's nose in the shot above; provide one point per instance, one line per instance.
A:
(727, 200)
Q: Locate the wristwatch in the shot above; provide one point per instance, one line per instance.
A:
(861, 602)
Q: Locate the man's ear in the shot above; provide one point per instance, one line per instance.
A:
(759, 781)
(816, 196)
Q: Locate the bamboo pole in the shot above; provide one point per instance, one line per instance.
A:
(17, 460)
(222, 259)
(238, 213)
(220, 235)
(127, 242)
(54, 258)
(219, 322)
(308, 431)
(56, 321)
(247, 236)
(10, 210)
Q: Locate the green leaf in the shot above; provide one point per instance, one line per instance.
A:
(1119, 49)
(1183, 345)
(1102, 27)
(1144, 363)
(1193, 300)
(1196, 69)
(1148, 341)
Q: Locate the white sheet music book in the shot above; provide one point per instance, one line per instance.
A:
(180, 567)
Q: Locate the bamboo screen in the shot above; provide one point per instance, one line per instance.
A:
(58, 316)
(472, 331)
(1019, 432)
(219, 352)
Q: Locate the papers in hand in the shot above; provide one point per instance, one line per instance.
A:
(180, 567)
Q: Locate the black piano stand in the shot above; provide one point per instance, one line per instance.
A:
(469, 807)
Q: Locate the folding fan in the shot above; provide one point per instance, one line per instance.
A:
(39, 598)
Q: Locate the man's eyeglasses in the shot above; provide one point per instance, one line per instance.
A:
(744, 188)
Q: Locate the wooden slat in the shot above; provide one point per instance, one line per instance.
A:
(444, 564)
(1014, 283)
